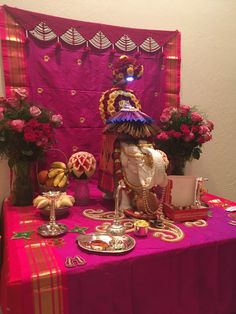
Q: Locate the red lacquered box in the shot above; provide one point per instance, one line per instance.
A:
(181, 215)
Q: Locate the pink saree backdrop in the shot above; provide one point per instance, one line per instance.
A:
(66, 65)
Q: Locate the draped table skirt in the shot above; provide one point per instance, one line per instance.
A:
(194, 275)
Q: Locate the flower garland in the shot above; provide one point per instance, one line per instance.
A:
(132, 190)
(114, 99)
(118, 167)
(126, 69)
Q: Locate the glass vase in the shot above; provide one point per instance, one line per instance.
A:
(22, 185)
(82, 195)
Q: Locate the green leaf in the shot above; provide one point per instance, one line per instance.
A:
(196, 152)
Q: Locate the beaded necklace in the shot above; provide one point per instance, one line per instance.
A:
(130, 187)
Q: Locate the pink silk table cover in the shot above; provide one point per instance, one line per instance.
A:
(195, 275)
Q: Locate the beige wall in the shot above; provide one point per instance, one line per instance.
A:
(208, 76)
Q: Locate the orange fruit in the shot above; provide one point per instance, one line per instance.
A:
(42, 176)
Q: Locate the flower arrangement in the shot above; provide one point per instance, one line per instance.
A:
(183, 130)
(26, 130)
(126, 69)
(82, 165)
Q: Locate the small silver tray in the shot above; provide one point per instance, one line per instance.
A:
(104, 243)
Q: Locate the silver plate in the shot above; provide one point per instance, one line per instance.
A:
(46, 230)
(104, 243)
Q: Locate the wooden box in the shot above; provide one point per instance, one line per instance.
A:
(181, 215)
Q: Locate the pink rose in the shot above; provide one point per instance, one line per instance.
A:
(163, 136)
(173, 109)
(205, 138)
(184, 109)
(166, 110)
(169, 110)
(35, 111)
(175, 134)
(17, 125)
(21, 92)
(195, 128)
(189, 137)
(57, 119)
(2, 109)
(210, 125)
(203, 129)
(13, 102)
(165, 117)
(185, 129)
(208, 137)
(196, 117)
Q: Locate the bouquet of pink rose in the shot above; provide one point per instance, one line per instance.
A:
(26, 130)
(182, 132)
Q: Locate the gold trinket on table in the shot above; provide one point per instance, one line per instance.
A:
(141, 228)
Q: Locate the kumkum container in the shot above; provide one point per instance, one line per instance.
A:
(141, 228)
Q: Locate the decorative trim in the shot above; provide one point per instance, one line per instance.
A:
(125, 43)
(99, 41)
(43, 32)
(72, 37)
(150, 45)
(100, 214)
(168, 232)
(196, 223)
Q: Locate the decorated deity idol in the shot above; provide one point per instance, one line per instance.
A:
(128, 155)
(125, 69)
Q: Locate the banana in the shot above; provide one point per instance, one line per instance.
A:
(58, 164)
(37, 200)
(54, 172)
(63, 201)
(72, 198)
(58, 178)
(63, 181)
(43, 203)
(66, 202)
(58, 203)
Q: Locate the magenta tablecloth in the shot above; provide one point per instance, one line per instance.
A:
(196, 275)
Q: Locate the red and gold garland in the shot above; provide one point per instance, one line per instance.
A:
(118, 166)
(112, 100)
